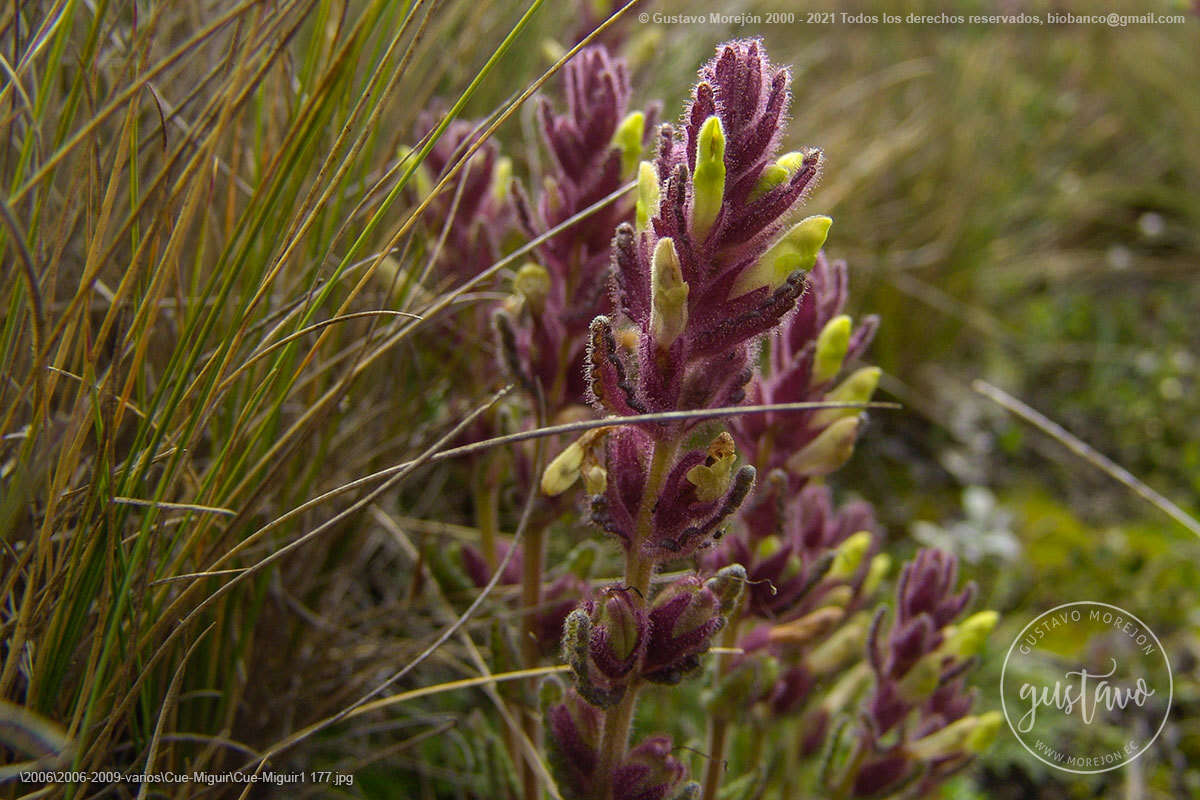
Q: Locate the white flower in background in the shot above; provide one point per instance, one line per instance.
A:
(986, 530)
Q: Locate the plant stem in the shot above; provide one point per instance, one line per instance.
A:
(718, 726)
(638, 571)
(758, 741)
(717, 729)
(849, 771)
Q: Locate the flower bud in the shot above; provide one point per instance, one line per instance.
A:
(808, 627)
(532, 282)
(552, 195)
(922, 680)
(768, 546)
(858, 388)
(969, 734)
(617, 633)
(832, 344)
(668, 295)
(684, 618)
(648, 194)
(843, 645)
(791, 568)
(796, 250)
(712, 478)
(577, 633)
(502, 179)
(628, 139)
(684, 607)
(603, 640)
(849, 556)
(727, 585)
(708, 182)
(881, 564)
(595, 478)
(826, 453)
(839, 596)
(773, 175)
(968, 638)
(986, 727)
(778, 173)
(562, 472)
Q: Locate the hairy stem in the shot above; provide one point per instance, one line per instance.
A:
(638, 571)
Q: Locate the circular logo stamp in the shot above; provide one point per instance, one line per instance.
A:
(1086, 687)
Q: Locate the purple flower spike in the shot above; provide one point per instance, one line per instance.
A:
(574, 729)
(750, 97)
(807, 354)
(942, 739)
(913, 664)
(477, 222)
(706, 269)
(594, 146)
(927, 588)
(917, 667)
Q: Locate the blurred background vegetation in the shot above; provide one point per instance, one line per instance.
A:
(1020, 204)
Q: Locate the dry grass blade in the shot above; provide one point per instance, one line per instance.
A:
(36, 302)
(1087, 453)
(316, 326)
(135, 501)
(168, 704)
(22, 731)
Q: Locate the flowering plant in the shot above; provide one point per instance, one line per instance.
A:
(666, 303)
